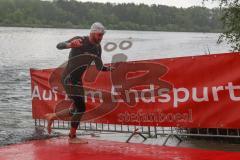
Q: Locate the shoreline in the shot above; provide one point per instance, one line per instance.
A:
(61, 27)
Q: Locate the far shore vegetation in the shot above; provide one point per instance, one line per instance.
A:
(76, 14)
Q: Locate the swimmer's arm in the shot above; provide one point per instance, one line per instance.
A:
(63, 45)
(99, 65)
(74, 42)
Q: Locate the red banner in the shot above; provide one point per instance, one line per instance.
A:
(193, 92)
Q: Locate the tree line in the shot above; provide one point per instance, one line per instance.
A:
(75, 14)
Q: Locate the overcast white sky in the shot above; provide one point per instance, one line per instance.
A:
(176, 3)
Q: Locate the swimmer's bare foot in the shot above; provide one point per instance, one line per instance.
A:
(49, 117)
(77, 140)
(73, 139)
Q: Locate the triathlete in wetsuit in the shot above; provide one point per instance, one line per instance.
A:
(81, 47)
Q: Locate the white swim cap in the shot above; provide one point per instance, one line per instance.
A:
(97, 27)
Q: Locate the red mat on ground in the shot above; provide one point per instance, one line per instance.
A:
(59, 149)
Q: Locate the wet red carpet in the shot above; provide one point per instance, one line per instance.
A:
(59, 149)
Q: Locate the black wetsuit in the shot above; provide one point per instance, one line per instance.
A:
(74, 71)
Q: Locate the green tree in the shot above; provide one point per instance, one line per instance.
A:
(231, 23)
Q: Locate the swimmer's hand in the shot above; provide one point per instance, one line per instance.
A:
(76, 43)
(111, 69)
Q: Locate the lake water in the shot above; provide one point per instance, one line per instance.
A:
(24, 48)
